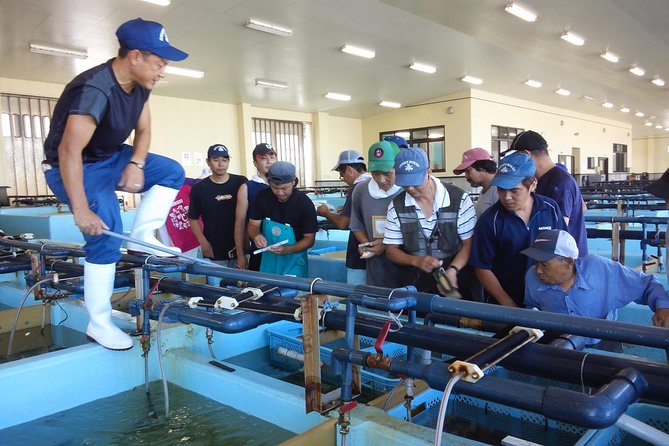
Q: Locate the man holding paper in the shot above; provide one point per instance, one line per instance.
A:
(283, 213)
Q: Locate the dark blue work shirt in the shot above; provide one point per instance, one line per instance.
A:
(97, 93)
(500, 235)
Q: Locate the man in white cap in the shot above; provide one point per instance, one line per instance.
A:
(352, 170)
(591, 286)
(87, 160)
(479, 169)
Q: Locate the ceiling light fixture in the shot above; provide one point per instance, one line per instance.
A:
(356, 51)
(637, 71)
(390, 104)
(520, 12)
(572, 38)
(607, 104)
(186, 72)
(271, 28)
(624, 109)
(472, 80)
(338, 96)
(271, 84)
(423, 67)
(648, 124)
(639, 114)
(658, 126)
(588, 98)
(611, 57)
(563, 92)
(658, 81)
(51, 50)
(532, 83)
(159, 2)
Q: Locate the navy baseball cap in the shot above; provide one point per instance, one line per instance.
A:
(401, 142)
(281, 172)
(513, 169)
(527, 140)
(139, 34)
(553, 243)
(411, 167)
(262, 149)
(217, 150)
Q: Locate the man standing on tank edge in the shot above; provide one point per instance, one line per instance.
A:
(87, 161)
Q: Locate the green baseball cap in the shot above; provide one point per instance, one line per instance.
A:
(381, 156)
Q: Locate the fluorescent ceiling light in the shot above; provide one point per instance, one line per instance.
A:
(51, 50)
(184, 72)
(159, 2)
(532, 83)
(588, 98)
(356, 51)
(658, 126)
(422, 67)
(611, 57)
(520, 12)
(624, 109)
(271, 28)
(563, 92)
(572, 38)
(607, 104)
(637, 71)
(271, 84)
(338, 96)
(648, 124)
(658, 81)
(390, 104)
(639, 114)
(472, 80)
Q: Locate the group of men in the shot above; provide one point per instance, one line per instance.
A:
(405, 223)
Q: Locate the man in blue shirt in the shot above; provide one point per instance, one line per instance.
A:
(590, 286)
(508, 227)
(87, 161)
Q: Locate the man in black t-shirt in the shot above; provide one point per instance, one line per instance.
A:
(214, 200)
(283, 214)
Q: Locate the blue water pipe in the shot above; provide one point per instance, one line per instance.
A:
(596, 411)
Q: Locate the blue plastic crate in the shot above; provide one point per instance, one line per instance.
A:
(488, 422)
(289, 336)
(655, 416)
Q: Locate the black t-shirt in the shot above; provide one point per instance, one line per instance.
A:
(299, 211)
(216, 204)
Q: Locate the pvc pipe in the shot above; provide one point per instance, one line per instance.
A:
(595, 411)
(642, 430)
(625, 219)
(347, 375)
(536, 359)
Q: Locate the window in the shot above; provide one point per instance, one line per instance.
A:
(591, 162)
(430, 139)
(292, 142)
(501, 138)
(620, 158)
(25, 125)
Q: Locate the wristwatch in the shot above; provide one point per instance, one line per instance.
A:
(137, 163)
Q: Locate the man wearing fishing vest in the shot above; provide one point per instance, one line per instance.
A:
(428, 226)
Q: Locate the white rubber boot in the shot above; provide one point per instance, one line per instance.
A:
(151, 215)
(98, 289)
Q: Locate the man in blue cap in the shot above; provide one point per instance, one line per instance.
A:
(214, 199)
(429, 225)
(508, 227)
(87, 161)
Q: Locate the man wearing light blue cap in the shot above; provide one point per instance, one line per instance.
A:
(508, 227)
(429, 225)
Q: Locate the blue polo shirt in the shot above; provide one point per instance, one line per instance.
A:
(500, 235)
(601, 287)
(561, 187)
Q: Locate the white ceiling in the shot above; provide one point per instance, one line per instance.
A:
(475, 37)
